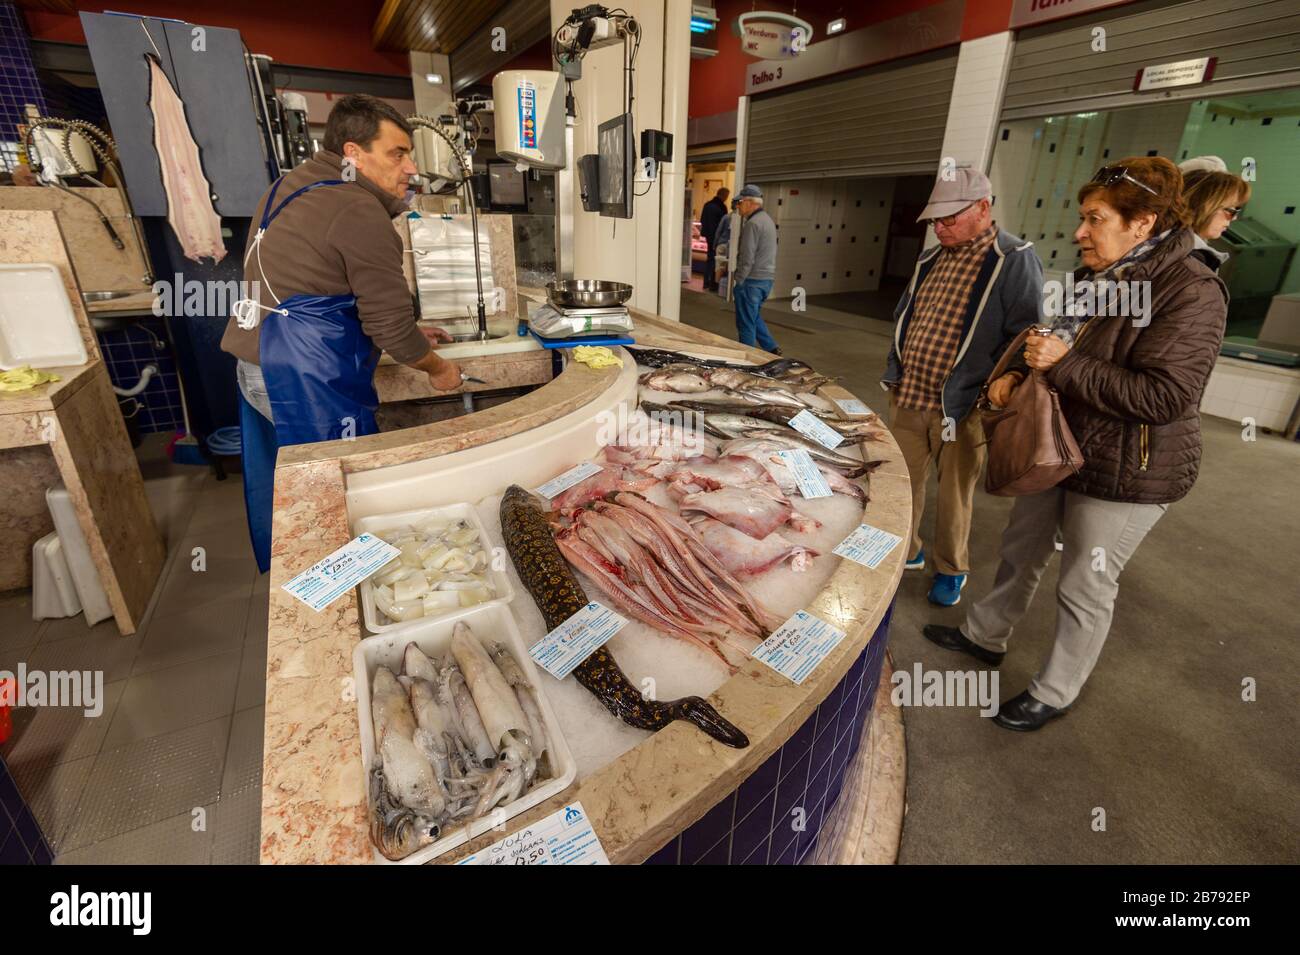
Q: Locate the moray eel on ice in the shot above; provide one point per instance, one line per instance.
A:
(558, 595)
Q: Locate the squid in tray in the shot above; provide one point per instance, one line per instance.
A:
(454, 739)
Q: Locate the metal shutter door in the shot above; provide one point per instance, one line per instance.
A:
(1054, 70)
(887, 121)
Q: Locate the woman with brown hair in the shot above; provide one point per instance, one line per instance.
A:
(1130, 385)
(1214, 200)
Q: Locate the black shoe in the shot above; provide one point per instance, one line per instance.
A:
(950, 638)
(1025, 714)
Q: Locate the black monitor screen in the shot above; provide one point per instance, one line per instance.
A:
(617, 155)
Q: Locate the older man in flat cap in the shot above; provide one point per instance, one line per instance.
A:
(969, 297)
(755, 270)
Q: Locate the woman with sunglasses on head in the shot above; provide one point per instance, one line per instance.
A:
(1215, 199)
(1130, 386)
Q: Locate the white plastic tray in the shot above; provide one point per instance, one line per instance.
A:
(489, 622)
(381, 523)
(37, 325)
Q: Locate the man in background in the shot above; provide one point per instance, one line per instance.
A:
(755, 270)
(714, 211)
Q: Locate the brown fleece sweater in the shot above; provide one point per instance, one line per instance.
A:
(335, 240)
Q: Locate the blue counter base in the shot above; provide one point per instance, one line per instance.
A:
(775, 817)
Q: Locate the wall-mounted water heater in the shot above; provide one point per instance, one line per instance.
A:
(528, 110)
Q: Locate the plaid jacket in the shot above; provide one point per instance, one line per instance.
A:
(1005, 299)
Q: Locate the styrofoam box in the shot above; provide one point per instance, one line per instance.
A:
(381, 523)
(489, 622)
(37, 324)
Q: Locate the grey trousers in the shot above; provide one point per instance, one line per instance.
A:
(1099, 538)
(253, 387)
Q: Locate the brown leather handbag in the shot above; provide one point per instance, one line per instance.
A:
(1030, 447)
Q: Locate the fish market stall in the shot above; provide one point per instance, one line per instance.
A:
(408, 720)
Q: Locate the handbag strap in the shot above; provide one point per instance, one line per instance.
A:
(1000, 368)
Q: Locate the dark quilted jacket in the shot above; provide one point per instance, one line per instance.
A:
(1131, 394)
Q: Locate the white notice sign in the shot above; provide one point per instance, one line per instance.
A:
(326, 580)
(867, 545)
(811, 426)
(1183, 73)
(569, 478)
(798, 645)
(852, 406)
(806, 473)
(561, 650)
(563, 838)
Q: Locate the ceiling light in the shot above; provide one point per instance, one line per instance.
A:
(835, 26)
(434, 78)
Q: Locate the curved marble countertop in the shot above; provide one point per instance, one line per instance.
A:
(313, 795)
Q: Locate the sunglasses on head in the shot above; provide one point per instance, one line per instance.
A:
(1110, 175)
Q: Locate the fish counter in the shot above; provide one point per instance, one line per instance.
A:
(650, 598)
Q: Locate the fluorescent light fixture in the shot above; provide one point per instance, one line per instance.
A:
(434, 78)
(702, 26)
(836, 26)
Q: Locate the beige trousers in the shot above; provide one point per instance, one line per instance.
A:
(958, 454)
(1099, 538)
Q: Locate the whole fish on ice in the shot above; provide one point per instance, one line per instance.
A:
(547, 577)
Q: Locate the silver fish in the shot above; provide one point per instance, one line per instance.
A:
(755, 441)
(738, 380)
(683, 379)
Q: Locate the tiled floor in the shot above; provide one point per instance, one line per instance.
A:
(171, 770)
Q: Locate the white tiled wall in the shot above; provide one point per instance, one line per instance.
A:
(831, 233)
(1240, 389)
(1039, 165)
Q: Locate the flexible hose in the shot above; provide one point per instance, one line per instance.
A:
(146, 374)
(226, 441)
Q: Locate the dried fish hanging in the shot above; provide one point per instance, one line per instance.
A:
(189, 194)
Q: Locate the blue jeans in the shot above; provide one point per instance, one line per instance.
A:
(749, 296)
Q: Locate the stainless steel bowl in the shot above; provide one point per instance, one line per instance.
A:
(587, 293)
(105, 296)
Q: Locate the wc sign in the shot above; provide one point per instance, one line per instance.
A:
(772, 35)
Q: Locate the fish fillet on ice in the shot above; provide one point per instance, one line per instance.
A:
(189, 194)
(742, 554)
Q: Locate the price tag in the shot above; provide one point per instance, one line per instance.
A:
(806, 473)
(576, 639)
(852, 406)
(868, 545)
(811, 426)
(563, 838)
(325, 581)
(569, 478)
(798, 645)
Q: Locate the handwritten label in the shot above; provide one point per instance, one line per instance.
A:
(557, 485)
(563, 838)
(325, 581)
(852, 406)
(809, 425)
(798, 645)
(806, 473)
(576, 639)
(868, 545)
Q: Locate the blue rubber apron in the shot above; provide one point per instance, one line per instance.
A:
(319, 367)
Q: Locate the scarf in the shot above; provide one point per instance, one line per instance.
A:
(1082, 306)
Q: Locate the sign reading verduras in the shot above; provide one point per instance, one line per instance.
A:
(770, 35)
(1183, 73)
